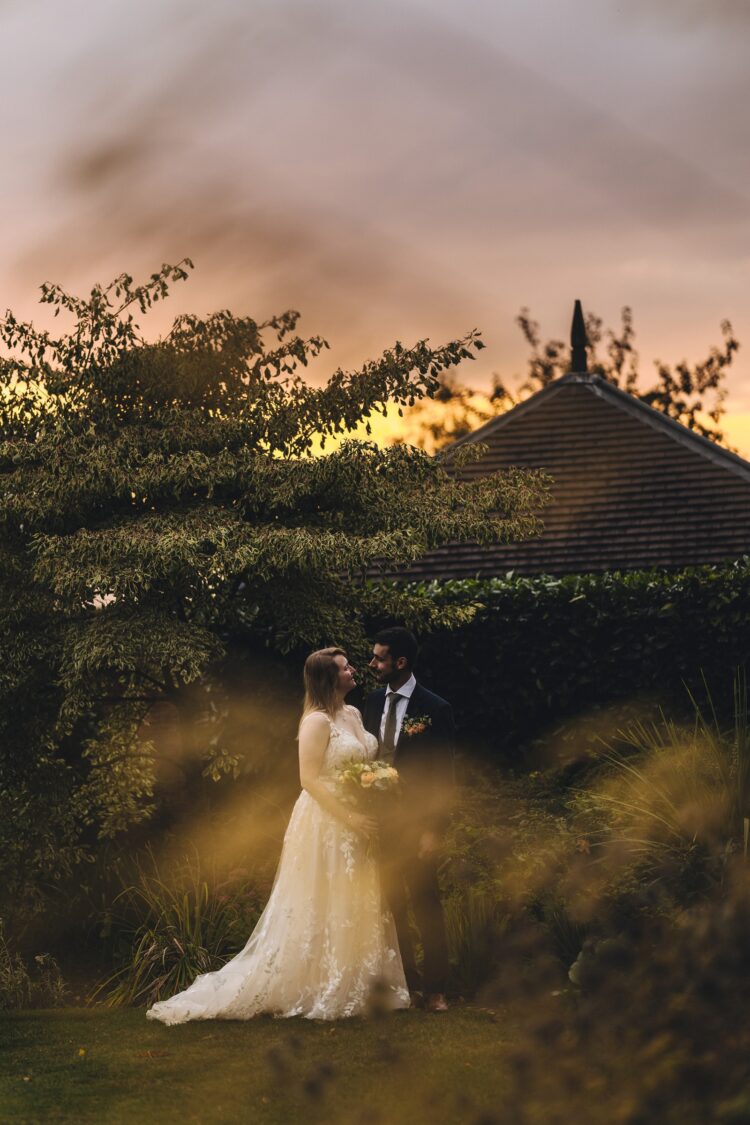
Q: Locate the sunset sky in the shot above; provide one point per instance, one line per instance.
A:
(393, 170)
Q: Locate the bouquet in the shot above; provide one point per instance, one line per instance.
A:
(361, 779)
(363, 784)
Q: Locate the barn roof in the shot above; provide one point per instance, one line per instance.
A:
(632, 489)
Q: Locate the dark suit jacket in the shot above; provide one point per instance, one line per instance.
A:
(424, 761)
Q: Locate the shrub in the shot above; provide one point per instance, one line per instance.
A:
(507, 848)
(167, 927)
(566, 933)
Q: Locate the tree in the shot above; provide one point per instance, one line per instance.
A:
(682, 391)
(160, 505)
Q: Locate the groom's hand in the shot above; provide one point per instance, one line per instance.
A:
(428, 845)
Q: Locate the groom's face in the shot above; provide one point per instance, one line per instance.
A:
(383, 666)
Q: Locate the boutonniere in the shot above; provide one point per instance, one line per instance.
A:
(415, 724)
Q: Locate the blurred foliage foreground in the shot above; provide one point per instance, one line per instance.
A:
(598, 916)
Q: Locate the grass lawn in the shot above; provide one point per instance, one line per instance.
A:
(93, 1065)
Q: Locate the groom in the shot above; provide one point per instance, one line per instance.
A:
(415, 732)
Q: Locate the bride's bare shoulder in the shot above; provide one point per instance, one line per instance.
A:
(315, 719)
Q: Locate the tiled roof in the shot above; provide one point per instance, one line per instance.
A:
(632, 488)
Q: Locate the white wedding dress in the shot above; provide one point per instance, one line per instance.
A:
(325, 938)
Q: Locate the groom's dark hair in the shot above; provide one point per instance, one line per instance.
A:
(400, 642)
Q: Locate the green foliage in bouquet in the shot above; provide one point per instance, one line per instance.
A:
(159, 507)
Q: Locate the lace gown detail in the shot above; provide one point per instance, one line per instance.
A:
(325, 936)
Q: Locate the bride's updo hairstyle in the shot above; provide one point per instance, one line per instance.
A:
(321, 677)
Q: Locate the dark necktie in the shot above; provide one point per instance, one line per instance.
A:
(389, 734)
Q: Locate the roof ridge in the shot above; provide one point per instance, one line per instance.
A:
(625, 401)
(501, 420)
(632, 404)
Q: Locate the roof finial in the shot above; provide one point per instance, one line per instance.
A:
(579, 342)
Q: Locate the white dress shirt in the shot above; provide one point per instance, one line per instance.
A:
(405, 691)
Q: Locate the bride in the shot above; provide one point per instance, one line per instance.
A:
(325, 939)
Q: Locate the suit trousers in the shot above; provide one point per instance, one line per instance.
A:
(406, 879)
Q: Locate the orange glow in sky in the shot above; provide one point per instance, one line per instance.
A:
(385, 430)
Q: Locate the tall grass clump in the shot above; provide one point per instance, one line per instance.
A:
(41, 986)
(475, 925)
(167, 926)
(674, 798)
(507, 851)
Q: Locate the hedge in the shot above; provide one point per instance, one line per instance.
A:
(542, 650)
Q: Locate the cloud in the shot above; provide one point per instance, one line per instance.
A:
(717, 15)
(388, 171)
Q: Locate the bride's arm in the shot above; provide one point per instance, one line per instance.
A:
(314, 734)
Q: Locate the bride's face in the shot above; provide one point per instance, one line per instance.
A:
(346, 679)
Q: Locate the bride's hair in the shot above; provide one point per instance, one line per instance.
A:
(321, 677)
